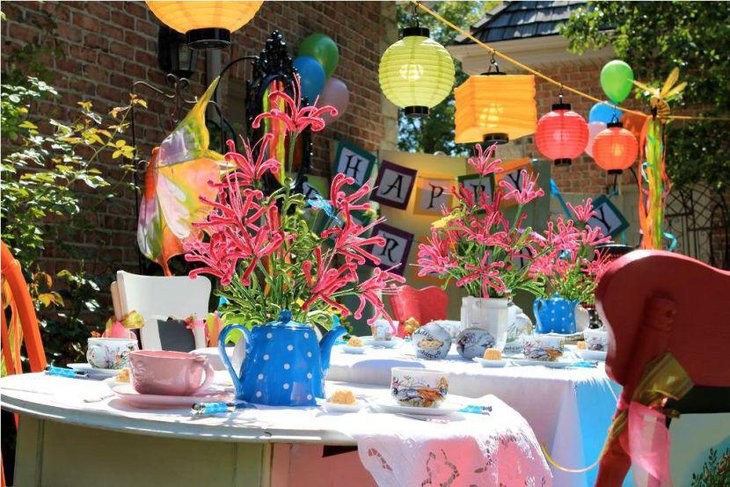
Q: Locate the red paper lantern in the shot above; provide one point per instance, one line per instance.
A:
(562, 134)
(615, 148)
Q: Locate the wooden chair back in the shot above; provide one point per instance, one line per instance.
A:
(425, 305)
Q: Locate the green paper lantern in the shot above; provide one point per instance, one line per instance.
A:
(322, 48)
(416, 73)
(616, 80)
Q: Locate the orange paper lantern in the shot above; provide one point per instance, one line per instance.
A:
(615, 148)
(495, 108)
(206, 24)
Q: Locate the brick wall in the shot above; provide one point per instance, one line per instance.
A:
(103, 47)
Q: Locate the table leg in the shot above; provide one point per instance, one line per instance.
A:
(51, 453)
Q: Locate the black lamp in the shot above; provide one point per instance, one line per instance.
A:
(173, 53)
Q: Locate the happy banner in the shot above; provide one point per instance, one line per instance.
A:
(396, 249)
(354, 162)
(432, 194)
(394, 185)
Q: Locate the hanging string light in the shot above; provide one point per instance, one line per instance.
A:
(562, 134)
(416, 73)
(615, 148)
(495, 107)
(205, 24)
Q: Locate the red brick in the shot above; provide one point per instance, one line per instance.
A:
(86, 22)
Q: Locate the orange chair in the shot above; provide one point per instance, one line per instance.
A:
(19, 324)
(425, 305)
(669, 327)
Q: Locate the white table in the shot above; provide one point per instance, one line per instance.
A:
(72, 434)
(570, 410)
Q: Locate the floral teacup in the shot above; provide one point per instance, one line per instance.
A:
(110, 353)
(418, 387)
(596, 339)
(543, 347)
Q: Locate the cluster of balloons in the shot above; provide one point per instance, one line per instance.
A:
(616, 81)
(317, 60)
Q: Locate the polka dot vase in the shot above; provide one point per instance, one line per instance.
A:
(555, 315)
(285, 364)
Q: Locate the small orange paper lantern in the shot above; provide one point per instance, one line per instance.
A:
(495, 108)
(615, 148)
(206, 24)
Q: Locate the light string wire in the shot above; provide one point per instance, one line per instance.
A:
(545, 77)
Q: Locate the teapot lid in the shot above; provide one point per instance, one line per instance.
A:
(285, 319)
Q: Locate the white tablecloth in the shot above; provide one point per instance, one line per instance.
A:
(498, 448)
(569, 410)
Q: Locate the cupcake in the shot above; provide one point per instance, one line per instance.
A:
(354, 342)
(343, 396)
(492, 354)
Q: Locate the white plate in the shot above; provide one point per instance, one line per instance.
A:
(355, 350)
(591, 354)
(93, 372)
(490, 363)
(557, 364)
(127, 394)
(394, 342)
(112, 382)
(390, 406)
(331, 407)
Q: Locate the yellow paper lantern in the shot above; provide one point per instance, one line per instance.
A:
(206, 24)
(495, 108)
(416, 73)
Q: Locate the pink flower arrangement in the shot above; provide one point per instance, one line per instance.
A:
(475, 245)
(569, 264)
(263, 249)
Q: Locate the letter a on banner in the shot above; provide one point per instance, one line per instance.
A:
(394, 185)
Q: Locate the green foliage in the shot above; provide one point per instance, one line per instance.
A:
(715, 471)
(436, 133)
(48, 167)
(654, 38)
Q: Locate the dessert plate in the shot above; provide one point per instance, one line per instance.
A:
(93, 372)
(355, 350)
(332, 407)
(394, 342)
(390, 406)
(155, 401)
(490, 363)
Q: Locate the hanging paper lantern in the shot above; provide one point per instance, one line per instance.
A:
(495, 108)
(416, 73)
(206, 24)
(594, 128)
(562, 134)
(615, 148)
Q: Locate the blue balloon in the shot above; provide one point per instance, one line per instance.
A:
(604, 113)
(312, 75)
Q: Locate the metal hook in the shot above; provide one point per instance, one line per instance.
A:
(415, 13)
(560, 93)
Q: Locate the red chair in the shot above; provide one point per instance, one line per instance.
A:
(19, 323)
(425, 305)
(662, 309)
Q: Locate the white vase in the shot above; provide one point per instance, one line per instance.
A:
(490, 314)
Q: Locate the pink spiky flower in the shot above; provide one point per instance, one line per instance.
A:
(524, 194)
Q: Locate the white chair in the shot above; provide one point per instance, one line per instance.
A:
(152, 297)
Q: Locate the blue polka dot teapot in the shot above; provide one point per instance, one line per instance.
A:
(285, 365)
(555, 315)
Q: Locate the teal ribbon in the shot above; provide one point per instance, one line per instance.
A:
(556, 192)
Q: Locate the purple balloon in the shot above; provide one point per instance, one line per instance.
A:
(336, 94)
(594, 128)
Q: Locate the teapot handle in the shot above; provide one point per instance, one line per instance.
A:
(236, 376)
(536, 305)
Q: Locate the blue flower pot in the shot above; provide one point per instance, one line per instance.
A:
(555, 315)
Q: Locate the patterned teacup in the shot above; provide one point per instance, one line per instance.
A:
(110, 353)
(418, 387)
(543, 347)
(596, 339)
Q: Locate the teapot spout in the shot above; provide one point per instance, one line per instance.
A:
(328, 341)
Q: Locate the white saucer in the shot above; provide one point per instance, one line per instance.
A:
(93, 372)
(355, 350)
(561, 363)
(394, 342)
(591, 354)
(127, 394)
(490, 363)
(390, 406)
(331, 407)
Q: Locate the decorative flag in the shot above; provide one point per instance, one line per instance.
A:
(396, 249)
(394, 185)
(608, 217)
(354, 162)
(432, 194)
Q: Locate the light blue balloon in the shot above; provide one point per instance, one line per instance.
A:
(313, 76)
(604, 113)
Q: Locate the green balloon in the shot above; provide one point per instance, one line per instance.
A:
(322, 48)
(616, 80)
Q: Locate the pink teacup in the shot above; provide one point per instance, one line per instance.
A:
(169, 373)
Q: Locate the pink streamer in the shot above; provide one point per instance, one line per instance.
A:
(649, 443)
